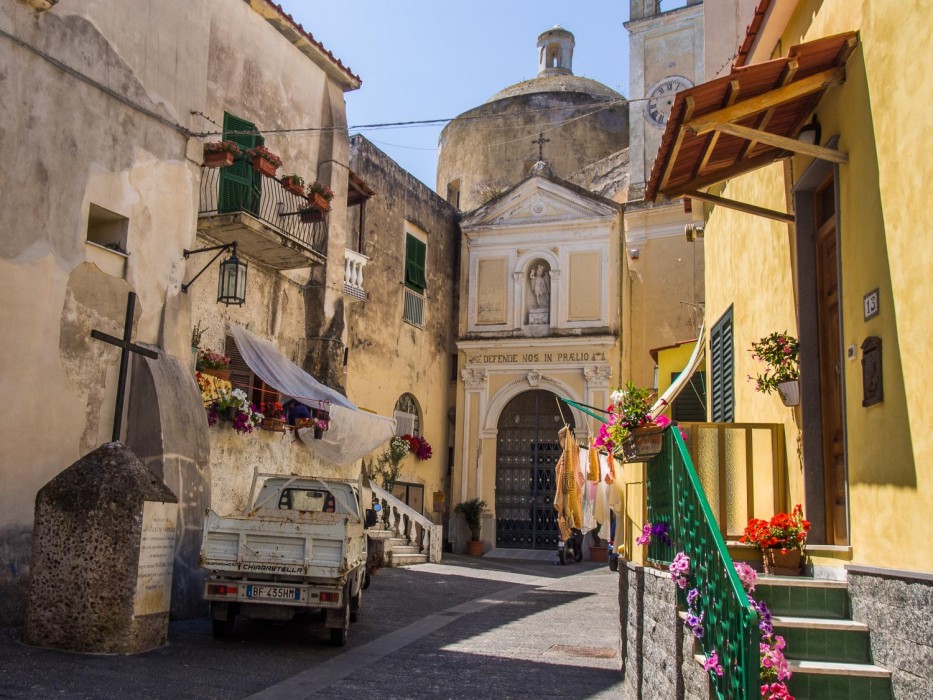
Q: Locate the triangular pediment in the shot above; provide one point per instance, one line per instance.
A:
(539, 201)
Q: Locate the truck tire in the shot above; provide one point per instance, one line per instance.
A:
(355, 603)
(338, 635)
(223, 628)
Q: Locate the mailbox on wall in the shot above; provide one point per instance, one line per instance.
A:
(872, 384)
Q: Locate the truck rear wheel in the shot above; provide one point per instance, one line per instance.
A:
(355, 603)
(339, 635)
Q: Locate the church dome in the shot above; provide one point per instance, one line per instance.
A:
(566, 120)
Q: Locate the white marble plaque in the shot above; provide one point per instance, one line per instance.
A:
(156, 555)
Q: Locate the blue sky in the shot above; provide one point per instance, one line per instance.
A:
(435, 59)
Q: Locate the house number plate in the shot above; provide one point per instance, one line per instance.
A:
(872, 306)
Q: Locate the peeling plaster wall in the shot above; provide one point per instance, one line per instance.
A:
(389, 357)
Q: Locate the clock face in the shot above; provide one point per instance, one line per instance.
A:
(661, 98)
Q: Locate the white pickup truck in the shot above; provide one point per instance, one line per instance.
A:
(300, 548)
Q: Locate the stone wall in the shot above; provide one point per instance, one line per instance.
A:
(898, 607)
(657, 657)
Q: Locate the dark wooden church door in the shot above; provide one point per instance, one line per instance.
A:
(526, 452)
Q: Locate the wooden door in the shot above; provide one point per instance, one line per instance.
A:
(829, 322)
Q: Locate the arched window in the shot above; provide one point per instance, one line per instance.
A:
(407, 416)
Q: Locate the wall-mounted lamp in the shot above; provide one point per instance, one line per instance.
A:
(810, 133)
(693, 231)
(231, 284)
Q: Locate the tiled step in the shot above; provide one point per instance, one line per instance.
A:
(820, 680)
(802, 596)
(815, 639)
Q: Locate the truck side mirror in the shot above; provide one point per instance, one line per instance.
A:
(370, 517)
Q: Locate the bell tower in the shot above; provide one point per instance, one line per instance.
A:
(555, 52)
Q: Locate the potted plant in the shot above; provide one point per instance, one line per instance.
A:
(781, 541)
(210, 362)
(779, 352)
(320, 195)
(220, 154)
(273, 416)
(310, 214)
(234, 407)
(472, 512)
(418, 446)
(631, 433)
(294, 184)
(264, 161)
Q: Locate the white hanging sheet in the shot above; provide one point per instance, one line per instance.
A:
(353, 433)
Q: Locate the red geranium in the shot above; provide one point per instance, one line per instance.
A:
(784, 530)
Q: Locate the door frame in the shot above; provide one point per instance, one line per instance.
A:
(804, 243)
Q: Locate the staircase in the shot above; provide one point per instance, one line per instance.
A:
(409, 537)
(828, 653)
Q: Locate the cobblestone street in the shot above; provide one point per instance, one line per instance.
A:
(468, 627)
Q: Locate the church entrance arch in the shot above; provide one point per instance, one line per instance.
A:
(526, 452)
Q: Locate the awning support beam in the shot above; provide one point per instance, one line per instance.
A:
(773, 98)
(741, 206)
(783, 142)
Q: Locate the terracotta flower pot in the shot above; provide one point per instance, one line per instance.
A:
(475, 548)
(264, 167)
(294, 188)
(218, 159)
(276, 425)
(310, 215)
(778, 563)
(318, 201)
(600, 554)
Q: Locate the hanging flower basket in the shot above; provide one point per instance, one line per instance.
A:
(642, 444)
(781, 562)
(264, 161)
(219, 159)
(275, 425)
(294, 184)
(310, 215)
(790, 392)
(318, 201)
(220, 154)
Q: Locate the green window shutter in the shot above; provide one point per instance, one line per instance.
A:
(415, 256)
(722, 370)
(239, 184)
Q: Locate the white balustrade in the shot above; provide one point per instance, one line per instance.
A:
(353, 273)
(405, 521)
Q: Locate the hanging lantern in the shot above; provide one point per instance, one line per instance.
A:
(231, 285)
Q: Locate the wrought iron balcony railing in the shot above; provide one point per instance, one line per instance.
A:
(260, 213)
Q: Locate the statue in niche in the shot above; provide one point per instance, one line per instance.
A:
(540, 288)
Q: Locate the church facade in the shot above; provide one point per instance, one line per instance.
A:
(539, 319)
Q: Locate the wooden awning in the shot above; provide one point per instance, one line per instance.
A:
(747, 119)
(357, 189)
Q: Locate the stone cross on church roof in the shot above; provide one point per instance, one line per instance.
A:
(541, 141)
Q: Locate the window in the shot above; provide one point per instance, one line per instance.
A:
(107, 229)
(415, 280)
(722, 371)
(406, 416)
(415, 255)
(242, 377)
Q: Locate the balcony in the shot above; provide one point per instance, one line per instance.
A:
(353, 274)
(263, 218)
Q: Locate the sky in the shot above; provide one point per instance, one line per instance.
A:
(435, 59)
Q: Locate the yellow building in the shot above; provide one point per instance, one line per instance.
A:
(808, 156)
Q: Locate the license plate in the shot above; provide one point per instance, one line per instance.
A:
(273, 592)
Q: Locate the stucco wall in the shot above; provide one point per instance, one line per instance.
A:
(879, 116)
(388, 356)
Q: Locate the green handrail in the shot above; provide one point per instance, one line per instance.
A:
(676, 497)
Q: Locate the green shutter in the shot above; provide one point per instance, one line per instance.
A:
(722, 370)
(415, 256)
(239, 184)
